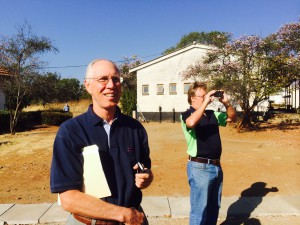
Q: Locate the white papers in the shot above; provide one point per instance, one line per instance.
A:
(95, 182)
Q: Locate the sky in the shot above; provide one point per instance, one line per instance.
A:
(83, 30)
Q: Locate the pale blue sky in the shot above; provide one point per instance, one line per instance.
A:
(83, 30)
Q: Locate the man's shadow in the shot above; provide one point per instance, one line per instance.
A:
(240, 211)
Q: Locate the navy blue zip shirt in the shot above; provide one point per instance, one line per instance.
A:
(128, 145)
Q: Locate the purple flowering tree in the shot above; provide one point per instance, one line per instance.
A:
(251, 68)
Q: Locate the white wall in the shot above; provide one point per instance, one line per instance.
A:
(295, 94)
(167, 69)
(165, 72)
(2, 100)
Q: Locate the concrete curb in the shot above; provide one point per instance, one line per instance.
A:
(165, 207)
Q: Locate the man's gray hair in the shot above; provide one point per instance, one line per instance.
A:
(89, 70)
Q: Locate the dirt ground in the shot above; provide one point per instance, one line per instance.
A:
(256, 163)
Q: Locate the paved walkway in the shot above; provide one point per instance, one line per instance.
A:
(158, 207)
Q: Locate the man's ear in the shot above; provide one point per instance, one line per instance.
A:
(192, 99)
(87, 86)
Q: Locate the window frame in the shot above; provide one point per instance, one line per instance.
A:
(143, 89)
(170, 88)
(184, 89)
(157, 89)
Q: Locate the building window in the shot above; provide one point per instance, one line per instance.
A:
(160, 89)
(145, 89)
(186, 87)
(172, 89)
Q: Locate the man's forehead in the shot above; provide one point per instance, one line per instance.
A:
(103, 64)
(105, 68)
(201, 90)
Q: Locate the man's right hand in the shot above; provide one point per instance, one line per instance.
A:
(77, 202)
(134, 217)
(209, 97)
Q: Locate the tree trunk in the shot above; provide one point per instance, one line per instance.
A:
(14, 116)
(245, 121)
(13, 124)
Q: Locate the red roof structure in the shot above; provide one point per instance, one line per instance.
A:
(4, 71)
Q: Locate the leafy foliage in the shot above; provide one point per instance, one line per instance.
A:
(68, 89)
(48, 88)
(215, 38)
(55, 118)
(54, 89)
(251, 68)
(128, 101)
(19, 55)
(83, 93)
(128, 98)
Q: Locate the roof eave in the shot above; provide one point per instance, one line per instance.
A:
(161, 58)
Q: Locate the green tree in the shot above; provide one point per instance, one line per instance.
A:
(68, 89)
(128, 98)
(52, 88)
(215, 38)
(83, 93)
(19, 54)
(48, 88)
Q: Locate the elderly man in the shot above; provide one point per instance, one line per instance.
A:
(122, 142)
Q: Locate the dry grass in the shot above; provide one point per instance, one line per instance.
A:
(76, 107)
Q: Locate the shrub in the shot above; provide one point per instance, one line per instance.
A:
(28, 120)
(55, 118)
(128, 101)
(4, 121)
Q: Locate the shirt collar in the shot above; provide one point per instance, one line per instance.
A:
(95, 119)
(192, 109)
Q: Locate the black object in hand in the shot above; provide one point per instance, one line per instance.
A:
(141, 168)
(218, 94)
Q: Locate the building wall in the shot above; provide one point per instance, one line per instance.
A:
(2, 101)
(165, 72)
(295, 95)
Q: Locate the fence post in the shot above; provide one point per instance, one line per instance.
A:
(173, 115)
(160, 113)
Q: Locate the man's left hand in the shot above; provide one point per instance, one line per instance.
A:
(143, 180)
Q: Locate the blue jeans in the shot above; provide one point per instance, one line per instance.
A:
(205, 182)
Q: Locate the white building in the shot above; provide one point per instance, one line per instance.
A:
(2, 100)
(160, 86)
(162, 94)
(292, 95)
(3, 72)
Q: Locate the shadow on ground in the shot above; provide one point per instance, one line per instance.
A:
(237, 214)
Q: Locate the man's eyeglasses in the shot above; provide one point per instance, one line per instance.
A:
(198, 96)
(105, 80)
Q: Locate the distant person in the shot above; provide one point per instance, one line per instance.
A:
(122, 142)
(201, 129)
(66, 108)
